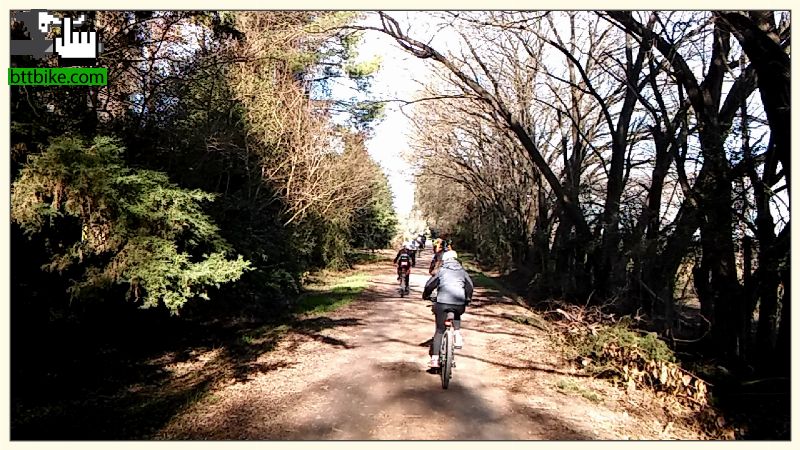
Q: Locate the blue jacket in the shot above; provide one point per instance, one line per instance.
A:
(453, 284)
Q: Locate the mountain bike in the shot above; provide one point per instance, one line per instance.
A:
(403, 273)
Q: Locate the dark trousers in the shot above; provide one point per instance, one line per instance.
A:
(406, 273)
(440, 310)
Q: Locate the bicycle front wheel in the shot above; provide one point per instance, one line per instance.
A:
(446, 358)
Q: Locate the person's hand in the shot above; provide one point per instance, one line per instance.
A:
(75, 44)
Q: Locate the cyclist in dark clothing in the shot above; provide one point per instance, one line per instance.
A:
(404, 261)
(454, 292)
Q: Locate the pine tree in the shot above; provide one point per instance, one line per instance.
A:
(137, 229)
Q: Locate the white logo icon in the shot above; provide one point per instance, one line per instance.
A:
(71, 44)
(75, 44)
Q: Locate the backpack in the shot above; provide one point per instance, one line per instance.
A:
(404, 260)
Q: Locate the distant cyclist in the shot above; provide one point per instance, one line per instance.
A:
(404, 261)
(411, 246)
(454, 292)
(420, 244)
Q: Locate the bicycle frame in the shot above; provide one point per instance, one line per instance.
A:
(447, 351)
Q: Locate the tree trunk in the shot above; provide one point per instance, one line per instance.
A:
(718, 266)
(783, 347)
(659, 271)
(768, 281)
(563, 281)
(540, 258)
(749, 296)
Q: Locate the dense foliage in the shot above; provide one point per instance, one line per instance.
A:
(135, 227)
(214, 157)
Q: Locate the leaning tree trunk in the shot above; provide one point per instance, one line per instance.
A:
(759, 40)
(659, 268)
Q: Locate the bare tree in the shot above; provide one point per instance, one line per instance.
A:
(632, 148)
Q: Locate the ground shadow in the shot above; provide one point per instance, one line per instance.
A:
(108, 380)
(352, 408)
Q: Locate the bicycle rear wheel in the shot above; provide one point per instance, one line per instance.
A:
(446, 357)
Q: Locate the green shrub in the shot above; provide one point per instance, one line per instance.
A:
(134, 227)
(596, 345)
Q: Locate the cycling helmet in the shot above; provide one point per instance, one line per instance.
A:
(449, 255)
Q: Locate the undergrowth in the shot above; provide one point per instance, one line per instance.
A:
(638, 360)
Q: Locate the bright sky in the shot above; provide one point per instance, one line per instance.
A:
(396, 79)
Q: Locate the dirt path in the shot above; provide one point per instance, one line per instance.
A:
(360, 373)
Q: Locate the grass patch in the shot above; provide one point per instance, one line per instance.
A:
(364, 257)
(497, 286)
(570, 386)
(266, 336)
(477, 275)
(332, 295)
(484, 280)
